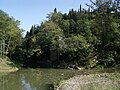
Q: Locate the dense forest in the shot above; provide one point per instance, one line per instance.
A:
(87, 38)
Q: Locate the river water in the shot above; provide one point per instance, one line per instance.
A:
(38, 79)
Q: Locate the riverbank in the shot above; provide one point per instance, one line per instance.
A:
(7, 66)
(103, 81)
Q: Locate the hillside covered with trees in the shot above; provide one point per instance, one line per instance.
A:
(85, 38)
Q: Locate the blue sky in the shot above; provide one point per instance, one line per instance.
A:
(30, 12)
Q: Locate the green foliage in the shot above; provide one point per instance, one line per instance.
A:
(88, 38)
(10, 34)
(48, 35)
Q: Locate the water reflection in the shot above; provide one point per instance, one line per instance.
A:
(26, 84)
(33, 79)
(37, 79)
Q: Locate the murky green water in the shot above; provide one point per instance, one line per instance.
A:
(37, 79)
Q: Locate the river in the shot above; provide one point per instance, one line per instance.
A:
(39, 79)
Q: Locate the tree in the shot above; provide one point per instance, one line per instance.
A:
(55, 10)
(105, 31)
(75, 50)
(88, 38)
(65, 25)
(10, 34)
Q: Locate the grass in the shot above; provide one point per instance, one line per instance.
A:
(7, 66)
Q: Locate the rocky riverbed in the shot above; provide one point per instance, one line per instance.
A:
(103, 81)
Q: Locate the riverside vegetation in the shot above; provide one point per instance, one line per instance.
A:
(87, 38)
(84, 38)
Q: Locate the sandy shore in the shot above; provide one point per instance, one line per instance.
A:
(103, 81)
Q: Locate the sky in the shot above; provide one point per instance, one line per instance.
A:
(30, 12)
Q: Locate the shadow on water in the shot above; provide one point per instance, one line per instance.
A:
(40, 79)
(27, 86)
(31, 79)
